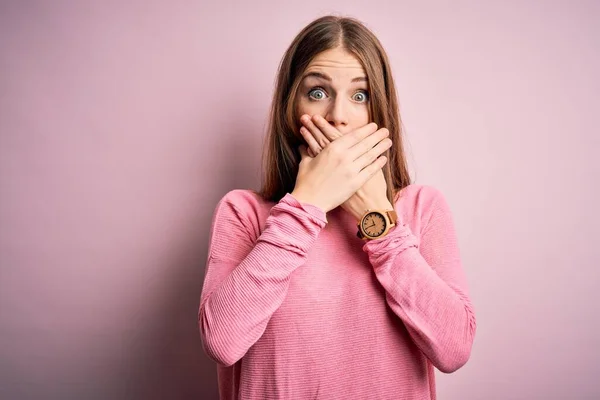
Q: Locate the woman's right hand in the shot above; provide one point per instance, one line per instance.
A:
(337, 172)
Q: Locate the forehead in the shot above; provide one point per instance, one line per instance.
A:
(337, 63)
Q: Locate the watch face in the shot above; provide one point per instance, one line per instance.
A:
(373, 224)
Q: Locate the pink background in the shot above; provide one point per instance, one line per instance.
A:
(121, 125)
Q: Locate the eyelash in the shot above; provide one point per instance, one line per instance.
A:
(365, 92)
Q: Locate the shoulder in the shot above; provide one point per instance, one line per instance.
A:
(242, 199)
(245, 205)
(418, 204)
(420, 196)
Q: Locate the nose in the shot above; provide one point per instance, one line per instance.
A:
(337, 114)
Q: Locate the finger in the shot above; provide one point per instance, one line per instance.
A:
(357, 135)
(370, 170)
(370, 156)
(314, 147)
(326, 128)
(367, 143)
(316, 132)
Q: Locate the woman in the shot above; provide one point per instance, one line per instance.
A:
(340, 279)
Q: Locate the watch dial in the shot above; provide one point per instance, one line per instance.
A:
(374, 224)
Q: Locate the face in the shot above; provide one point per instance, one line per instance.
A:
(334, 86)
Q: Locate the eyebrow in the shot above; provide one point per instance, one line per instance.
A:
(328, 78)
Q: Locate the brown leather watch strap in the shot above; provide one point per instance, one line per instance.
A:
(393, 216)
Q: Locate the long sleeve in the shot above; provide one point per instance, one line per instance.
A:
(247, 277)
(426, 287)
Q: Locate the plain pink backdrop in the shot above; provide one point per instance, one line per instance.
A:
(123, 123)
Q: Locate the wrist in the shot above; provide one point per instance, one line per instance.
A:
(304, 199)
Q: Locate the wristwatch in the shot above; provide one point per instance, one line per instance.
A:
(375, 224)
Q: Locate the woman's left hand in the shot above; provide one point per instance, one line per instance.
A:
(318, 133)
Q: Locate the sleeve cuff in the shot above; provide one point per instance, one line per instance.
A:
(313, 211)
(398, 239)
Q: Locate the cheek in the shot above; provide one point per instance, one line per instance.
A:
(360, 117)
(304, 106)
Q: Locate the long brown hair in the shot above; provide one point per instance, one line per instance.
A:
(281, 156)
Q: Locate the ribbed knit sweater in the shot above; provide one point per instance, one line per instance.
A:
(295, 306)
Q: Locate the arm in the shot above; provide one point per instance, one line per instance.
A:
(427, 288)
(247, 280)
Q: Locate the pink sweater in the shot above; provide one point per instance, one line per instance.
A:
(295, 306)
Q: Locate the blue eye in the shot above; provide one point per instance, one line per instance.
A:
(317, 94)
(361, 96)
